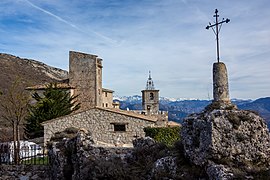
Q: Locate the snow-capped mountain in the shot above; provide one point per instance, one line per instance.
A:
(139, 98)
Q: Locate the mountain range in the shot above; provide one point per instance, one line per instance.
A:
(180, 108)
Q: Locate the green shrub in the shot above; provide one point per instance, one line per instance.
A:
(166, 135)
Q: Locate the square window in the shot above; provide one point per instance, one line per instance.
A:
(119, 127)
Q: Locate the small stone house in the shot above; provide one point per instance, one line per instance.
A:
(108, 126)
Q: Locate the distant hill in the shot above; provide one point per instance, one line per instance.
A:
(261, 105)
(179, 109)
(29, 72)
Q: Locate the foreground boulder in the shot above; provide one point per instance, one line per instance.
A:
(227, 142)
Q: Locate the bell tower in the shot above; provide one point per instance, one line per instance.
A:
(150, 97)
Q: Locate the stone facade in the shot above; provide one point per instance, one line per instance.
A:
(107, 98)
(150, 101)
(108, 126)
(85, 74)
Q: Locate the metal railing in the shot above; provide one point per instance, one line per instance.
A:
(28, 154)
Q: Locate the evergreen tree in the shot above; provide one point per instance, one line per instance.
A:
(53, 103)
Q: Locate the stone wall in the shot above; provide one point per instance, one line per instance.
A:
(101, 123)
(24, 172)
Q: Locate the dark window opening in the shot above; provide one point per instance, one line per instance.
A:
(106, 94)
(119, 127)
(106, 104)
(151, 96)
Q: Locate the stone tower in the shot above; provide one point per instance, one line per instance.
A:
(85, 74)
(220, 83)
(150, 97)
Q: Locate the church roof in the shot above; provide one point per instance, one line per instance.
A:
(61, 85)
(107, 90)
(113, 110)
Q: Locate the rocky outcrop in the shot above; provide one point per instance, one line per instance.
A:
(226, 140)
(24, 172)
(80, 158)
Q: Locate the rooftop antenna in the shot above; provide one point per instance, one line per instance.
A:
(217, 29)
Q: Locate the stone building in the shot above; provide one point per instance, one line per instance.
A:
(109, 126)
(98, 113)
(84, 80)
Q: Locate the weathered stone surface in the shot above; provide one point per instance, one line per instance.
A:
(230, 137)
(219, 172)
(79, 158)
(220, 83)
(24, 172)
(166, 165)
(143, 142)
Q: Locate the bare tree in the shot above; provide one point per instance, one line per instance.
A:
(15, 103)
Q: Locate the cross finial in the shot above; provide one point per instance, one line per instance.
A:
(217, 30)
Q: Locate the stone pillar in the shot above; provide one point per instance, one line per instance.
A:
(220, 83)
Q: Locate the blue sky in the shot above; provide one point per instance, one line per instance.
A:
(132, 37)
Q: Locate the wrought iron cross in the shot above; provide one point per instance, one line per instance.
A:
(217, 30)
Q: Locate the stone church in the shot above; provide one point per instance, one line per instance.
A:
(98, 113)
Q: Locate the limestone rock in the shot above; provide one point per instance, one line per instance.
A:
(231, 137)
(219, 172)
(166, 165)
(143, 141)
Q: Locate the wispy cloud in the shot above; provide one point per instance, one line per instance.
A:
(110, 40)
